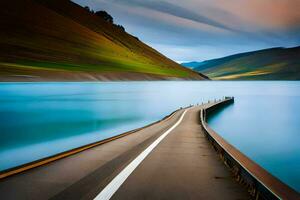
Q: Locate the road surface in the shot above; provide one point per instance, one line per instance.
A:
(182, 165)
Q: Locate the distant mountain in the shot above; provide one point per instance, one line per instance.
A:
(268, 64)
(49, 40)
(191, 65)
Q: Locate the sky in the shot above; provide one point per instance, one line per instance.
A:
(197, 30)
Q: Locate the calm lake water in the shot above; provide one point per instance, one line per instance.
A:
(42, 119)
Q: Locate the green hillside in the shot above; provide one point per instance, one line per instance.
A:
(60, 40)
(267, 64)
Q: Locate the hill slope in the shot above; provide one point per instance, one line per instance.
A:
(60, 40)
(267, 64)
(191, 65)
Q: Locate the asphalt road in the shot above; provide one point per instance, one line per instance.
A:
(182, 166)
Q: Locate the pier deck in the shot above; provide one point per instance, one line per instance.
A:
(182, 166)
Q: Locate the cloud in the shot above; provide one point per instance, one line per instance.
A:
(175, 10)
(213, 28)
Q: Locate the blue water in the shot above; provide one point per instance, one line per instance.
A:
(42, 119)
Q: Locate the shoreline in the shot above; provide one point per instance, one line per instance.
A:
(53, 75)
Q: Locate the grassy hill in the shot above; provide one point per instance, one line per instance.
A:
(267, 64)
(59, 40)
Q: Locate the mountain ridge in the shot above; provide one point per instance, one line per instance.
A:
(45, 40)
(277, 63)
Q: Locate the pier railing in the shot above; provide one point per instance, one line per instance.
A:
(260, 183)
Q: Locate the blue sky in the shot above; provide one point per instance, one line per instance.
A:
(197, 30)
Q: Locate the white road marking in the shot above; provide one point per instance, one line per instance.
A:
(115, 184)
